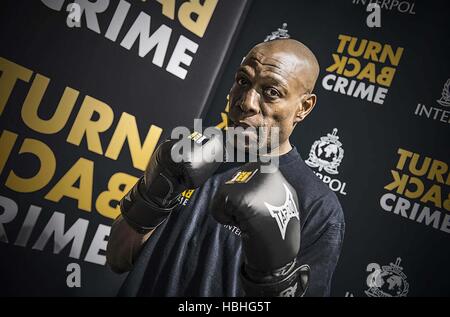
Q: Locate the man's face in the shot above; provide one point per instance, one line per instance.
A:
(267, 93)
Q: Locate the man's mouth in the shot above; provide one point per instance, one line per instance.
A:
(247, 130)
(250, 132)
(244, 125)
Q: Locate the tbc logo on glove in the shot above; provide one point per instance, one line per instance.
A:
(198, 138)
(285, 212)
(242, 177)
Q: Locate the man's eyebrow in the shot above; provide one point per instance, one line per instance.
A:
(243, 70)
(266, 61)
(275, 80)
(273, 77)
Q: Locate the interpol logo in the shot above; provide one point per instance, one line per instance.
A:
(442, 113)
(387, 280)
(445, 98)
(400, 6)
(279, 34)
(327, 154)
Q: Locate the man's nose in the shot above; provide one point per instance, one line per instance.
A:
(250, 102)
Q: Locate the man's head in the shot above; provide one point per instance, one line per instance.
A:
(273, 88)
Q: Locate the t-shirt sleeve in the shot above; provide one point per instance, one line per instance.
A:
(322, 256)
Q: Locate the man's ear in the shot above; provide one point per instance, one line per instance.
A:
(306, 105)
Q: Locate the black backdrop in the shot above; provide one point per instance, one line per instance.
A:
(385, 252)
(371, 134)
(37, 37)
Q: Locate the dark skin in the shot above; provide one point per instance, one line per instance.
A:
(273, 88)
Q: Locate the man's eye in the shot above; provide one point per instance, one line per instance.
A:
(242, 81)
(272, 92)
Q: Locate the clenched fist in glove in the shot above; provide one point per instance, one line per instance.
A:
(265, 208)
(176, 165)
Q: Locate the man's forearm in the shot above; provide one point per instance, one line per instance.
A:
(124, 246)
(156, 194)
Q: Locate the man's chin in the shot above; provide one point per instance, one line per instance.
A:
(250, 148)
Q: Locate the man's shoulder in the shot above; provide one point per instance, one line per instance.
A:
(316, 199)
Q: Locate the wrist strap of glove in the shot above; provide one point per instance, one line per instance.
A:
(141, 213)
(289, 281)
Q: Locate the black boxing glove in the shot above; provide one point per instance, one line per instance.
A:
(265, 208)
(176, 165)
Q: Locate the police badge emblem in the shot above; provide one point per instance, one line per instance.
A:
(445, 98)
(326, 153)
(279, 34)
(387, 281)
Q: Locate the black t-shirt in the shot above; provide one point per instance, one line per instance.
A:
(191, 254)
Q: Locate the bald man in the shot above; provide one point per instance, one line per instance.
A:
(192, 254)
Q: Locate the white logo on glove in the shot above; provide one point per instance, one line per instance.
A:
(289, 292)
(284, 213)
